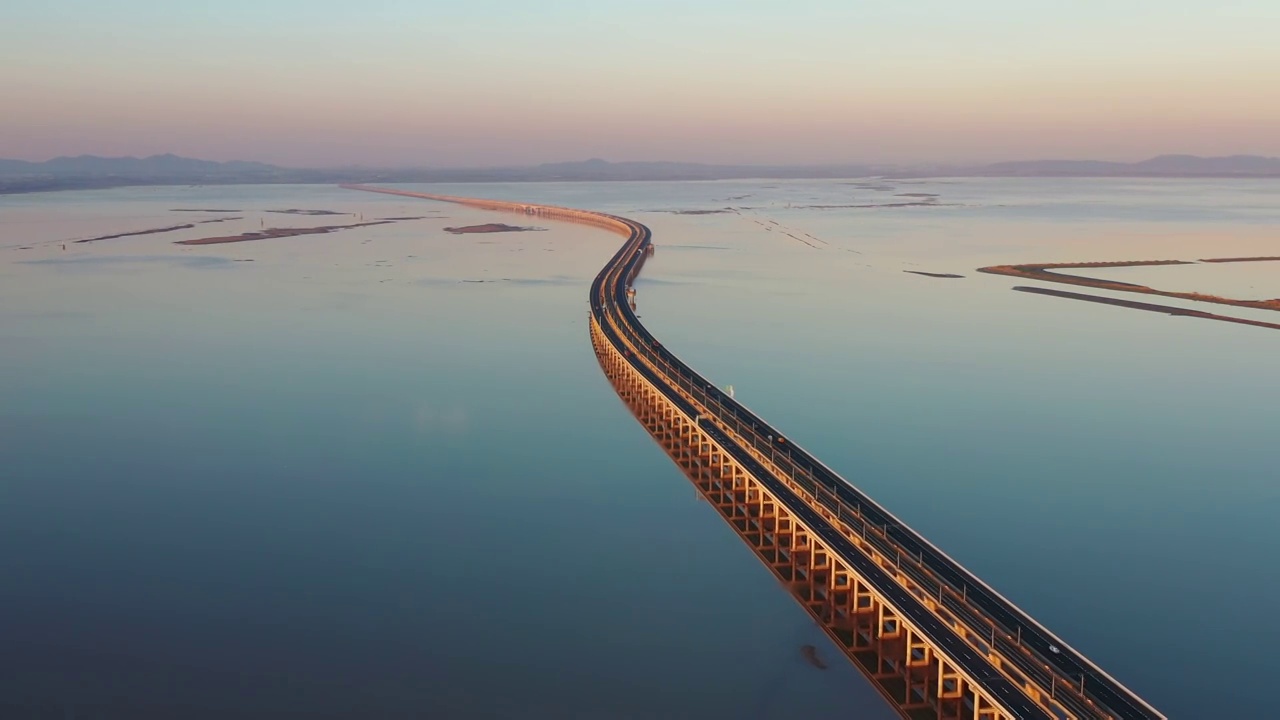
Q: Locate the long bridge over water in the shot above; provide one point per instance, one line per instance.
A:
(938, 642)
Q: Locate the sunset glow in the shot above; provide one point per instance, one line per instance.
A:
(491, 82)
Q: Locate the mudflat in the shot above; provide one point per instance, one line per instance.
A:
(152, 231)
(278, 233)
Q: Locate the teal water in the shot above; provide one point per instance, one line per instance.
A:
(338, 480)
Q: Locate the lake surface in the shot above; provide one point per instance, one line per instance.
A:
(338, 475)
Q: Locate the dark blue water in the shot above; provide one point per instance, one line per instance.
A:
(338, 481)
(285, 489)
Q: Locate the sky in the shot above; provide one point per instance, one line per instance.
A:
(513, 82)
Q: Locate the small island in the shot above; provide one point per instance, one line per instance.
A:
(490, 228)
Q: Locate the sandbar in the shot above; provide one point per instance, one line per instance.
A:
(1239, 259)
(1149, 307)
(489, 228)
(1044, 272)
(933, 274)
(295, 211)
(278, 233)
(879, 205)
(152, 231)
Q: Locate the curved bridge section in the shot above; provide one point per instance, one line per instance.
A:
(937, 641)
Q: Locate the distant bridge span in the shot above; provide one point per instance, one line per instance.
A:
(934, 639)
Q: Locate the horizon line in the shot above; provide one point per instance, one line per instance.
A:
(599, 160)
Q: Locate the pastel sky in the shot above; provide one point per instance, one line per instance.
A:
(496, 82)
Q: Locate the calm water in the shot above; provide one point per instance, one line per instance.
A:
(345, 479)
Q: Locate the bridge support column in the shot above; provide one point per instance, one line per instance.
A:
(780, 561)
(920, 671)
(769, 518)
(801, 549)
(950, 692)
(984, 710)
(889, 642)
(821, 578)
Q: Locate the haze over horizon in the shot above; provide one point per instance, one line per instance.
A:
(500, 83)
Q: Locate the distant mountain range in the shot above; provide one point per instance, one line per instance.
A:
(1162, 166)
(156, 165)
(90, 171)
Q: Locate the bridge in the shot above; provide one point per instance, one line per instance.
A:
(933, 638)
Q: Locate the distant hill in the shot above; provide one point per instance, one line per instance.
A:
(1162, 166)
(1229, 165)
(90, 171)
(1047, 167)
(597, 169)
(167, 165)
